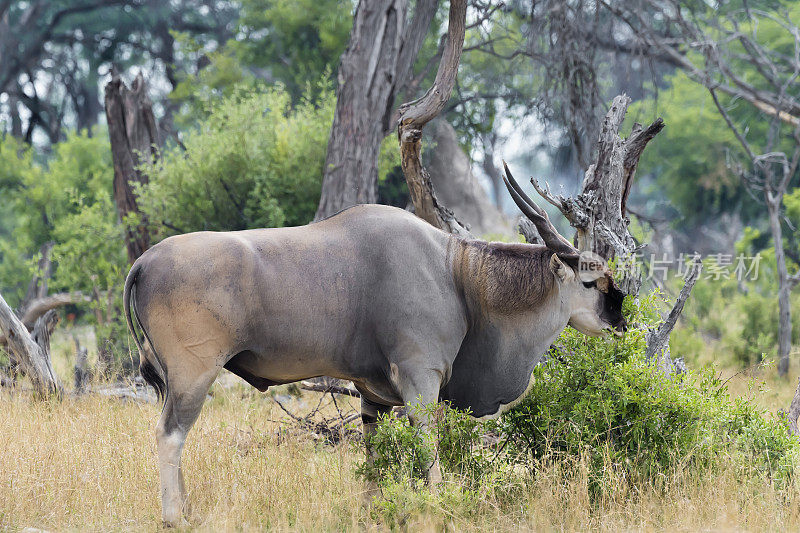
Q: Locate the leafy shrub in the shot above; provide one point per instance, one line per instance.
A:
(401, 452)
(254, 161)
(597, 404)
(604, 401)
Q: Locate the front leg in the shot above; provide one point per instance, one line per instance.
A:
(420, 388)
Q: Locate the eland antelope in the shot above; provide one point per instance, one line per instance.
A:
(375, 295)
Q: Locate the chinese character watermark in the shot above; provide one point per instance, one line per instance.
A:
(716, 267)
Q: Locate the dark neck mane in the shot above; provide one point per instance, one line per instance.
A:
(503, 278)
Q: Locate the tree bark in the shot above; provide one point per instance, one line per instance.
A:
(37, 288)
(374, 67)
(134, 138)
(784, 287)
(794, 412)
(413, 117)
(81, 370)
(598, 213)
(32, 350)
(456, 186)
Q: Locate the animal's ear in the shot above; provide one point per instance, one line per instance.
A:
(560, 269)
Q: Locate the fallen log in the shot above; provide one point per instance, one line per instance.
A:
(32, 351)
(38, 307)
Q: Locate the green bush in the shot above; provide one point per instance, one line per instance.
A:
(602, 400)
(598, 404)
(254, 161)
(401, 452)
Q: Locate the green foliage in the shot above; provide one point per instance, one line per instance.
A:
(399, 451)
(515, 77)
(295, 40)
(604, 402)
(293, 43)
(740, 317)
(691, 157)
(68, 201)
(597, 404)
(254, 161)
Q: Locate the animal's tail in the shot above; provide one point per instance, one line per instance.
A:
(150, 366)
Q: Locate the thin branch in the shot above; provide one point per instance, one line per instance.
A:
(660, 338)
(333, 389)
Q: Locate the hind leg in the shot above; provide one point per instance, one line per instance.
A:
(369, 417)
(181, 409)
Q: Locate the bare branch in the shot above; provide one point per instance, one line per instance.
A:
(545, 193)
(40, 306)
(413, 117)
(333, 389)
(657, 341)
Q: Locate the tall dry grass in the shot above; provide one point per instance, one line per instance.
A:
(90, 464)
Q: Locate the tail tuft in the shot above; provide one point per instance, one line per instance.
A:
(152, 377)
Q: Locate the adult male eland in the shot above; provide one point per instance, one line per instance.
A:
(373, 294)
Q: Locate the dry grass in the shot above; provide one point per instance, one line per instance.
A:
(89, 463)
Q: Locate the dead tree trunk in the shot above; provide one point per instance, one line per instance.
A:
(785, 284)
(598, 212)
(658, 340)
(37, 288)
(413, 117)
(133, 133)
(81, 370)
(32, 350)
(373, 68)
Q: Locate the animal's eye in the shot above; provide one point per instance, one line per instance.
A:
(589, 284)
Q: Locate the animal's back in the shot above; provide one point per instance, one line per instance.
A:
(301, 300)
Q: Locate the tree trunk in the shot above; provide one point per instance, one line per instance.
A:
(32, 351)
(16, 120)
(133, 133)
(81, 370)
(374, 66)
(784, 286)
(598, 212)
(413, 117)
(456, 186)
(37, 288)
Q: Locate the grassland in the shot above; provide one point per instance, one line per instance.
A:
(89, 463)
